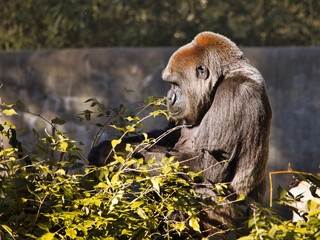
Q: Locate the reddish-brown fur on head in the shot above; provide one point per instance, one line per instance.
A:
(185, 57)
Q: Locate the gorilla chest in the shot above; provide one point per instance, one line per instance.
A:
(188, 141)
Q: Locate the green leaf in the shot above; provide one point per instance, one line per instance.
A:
(314, 213)
(231, 236)
(9, 112)
(312, 205)
(149, 100)
(281, 192)
(58, 121)
(35, 133)
(20, 105)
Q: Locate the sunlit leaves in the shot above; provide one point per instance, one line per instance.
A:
(131, 197)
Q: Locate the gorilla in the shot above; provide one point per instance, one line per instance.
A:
(222, 103)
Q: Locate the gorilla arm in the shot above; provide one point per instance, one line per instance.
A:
(239, 124)
(101, 154)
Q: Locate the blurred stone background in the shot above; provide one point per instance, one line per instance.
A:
(57, 83)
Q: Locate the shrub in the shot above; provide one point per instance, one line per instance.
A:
(48, 194)
(42, 198)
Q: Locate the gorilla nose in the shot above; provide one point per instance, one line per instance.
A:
(171, 98)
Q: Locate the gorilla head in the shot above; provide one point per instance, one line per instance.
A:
(193, 72)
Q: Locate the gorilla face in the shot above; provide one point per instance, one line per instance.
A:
(189, 74)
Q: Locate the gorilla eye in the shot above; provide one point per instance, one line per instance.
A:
(202, 72)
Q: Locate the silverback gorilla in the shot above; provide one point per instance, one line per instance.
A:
(223, 102)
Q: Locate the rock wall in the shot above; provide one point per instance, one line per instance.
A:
(56, 83)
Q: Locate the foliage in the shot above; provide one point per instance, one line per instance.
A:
(101, 23)
(264, 224)
(47, 194)
(42, 197)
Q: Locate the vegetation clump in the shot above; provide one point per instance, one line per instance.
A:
(49, 193)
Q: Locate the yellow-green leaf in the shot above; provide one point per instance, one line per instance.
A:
(315, 212)
(119, 159)
(129, 163)
(9, 112)
(180, 226)
(142, 213)
(175, 165)
(101, 185)
(155, 183)
(130, 128)
(9, 151)
(72, 233)
(47, 236)
(194, 223)
(139, 162)
(136, 204)
(113, 202)
(312, 205)
(240, 197)
(63, 146)
(60, 171)
(115, 142)
(166, 169)
(136, 118)
(118, 128)
(8, 230)
(129, 148)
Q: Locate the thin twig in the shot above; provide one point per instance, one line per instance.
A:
(101, 130)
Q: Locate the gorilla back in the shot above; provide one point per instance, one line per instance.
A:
(223, 101)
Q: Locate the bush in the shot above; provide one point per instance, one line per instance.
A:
(42, 198)
(48, 194)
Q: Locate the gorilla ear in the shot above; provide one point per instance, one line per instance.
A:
(202, 72)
